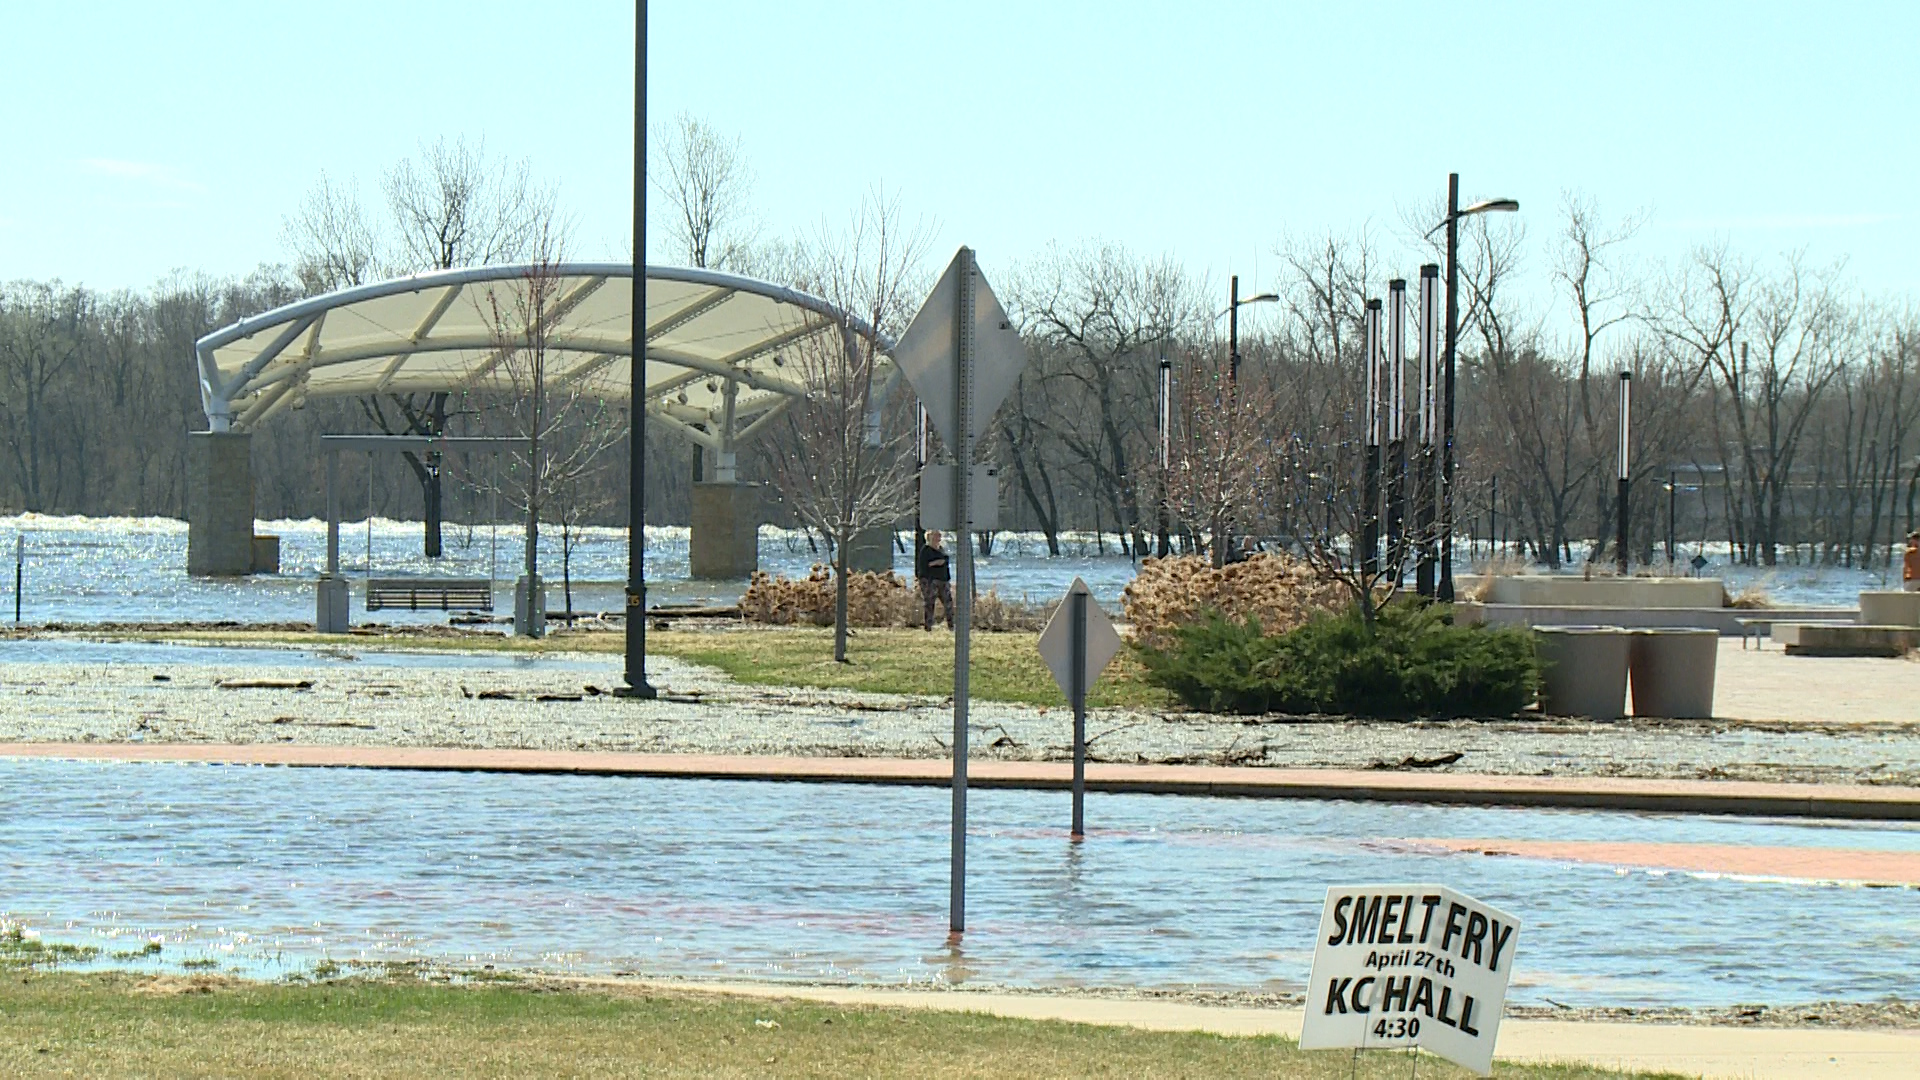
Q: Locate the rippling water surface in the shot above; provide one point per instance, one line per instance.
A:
(270, 870)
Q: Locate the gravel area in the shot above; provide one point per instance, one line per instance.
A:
(559, 701)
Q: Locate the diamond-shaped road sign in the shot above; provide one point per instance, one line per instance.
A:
(927, 353)
(1056, 641)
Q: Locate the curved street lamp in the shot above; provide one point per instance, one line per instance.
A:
(1234, 304)
(1452, 224)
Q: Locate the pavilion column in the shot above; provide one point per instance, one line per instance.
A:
(220, 504)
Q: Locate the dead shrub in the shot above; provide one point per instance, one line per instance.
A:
(1278, 590)
(873, 600)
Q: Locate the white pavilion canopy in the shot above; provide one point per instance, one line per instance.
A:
(716, 343)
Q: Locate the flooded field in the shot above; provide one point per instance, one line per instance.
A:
(270, 871)
(134, 569)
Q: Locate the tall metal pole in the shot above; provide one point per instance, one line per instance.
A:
(1626, 427)
(636, 612)
(1233, 330)
(1166, 452)
(1396, 427)
(1445, 590)
(1672, 490)
(1078, 680)
(963, 583)
(1429, 425)
(1370, 468)
(919, 467)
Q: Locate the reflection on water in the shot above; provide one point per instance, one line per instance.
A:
(270, 870)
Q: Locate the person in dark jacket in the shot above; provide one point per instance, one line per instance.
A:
(932, 570)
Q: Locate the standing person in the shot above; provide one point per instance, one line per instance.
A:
(931, 568)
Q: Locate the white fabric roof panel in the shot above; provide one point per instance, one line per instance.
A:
(443, 331)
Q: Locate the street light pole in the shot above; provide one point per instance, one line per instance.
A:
(1454, 214)
(1423, 472)
(1622, 555)
(1233, 331)
(1370, 468)
(1396, 428)
(1166, 451)
(636, 606)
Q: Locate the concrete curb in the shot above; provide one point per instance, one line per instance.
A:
(1740, 798)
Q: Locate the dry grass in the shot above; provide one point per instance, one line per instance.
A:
(1006, 666)
(1279, 591)
(100, 1025)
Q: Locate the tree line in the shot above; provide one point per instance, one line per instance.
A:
(1774, 401)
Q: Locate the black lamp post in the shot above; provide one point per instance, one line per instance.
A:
(1165, 547)
(1622, 555)
(636, 608)
(1234, 304)
(1452, 223)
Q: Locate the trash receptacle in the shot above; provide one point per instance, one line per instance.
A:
(1583, 670)
(1673, 673)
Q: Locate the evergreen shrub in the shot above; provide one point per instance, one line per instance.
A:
(1412, 662)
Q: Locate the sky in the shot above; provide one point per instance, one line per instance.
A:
(145, 139)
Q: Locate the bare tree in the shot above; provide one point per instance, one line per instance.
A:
(708, 183)
(842, 452)
(1101, 320)
(564, 422)
(1222, 458)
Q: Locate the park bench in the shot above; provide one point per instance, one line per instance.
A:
(430, 594)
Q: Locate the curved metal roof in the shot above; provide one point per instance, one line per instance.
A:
(443, 331)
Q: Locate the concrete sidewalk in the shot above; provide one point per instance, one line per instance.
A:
(1890, 803)
(1749, 1053)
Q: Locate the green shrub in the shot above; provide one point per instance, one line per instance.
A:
(1412, 662)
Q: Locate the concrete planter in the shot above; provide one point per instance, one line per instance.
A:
(1673, 673)
(1584, 670)
(1890, 608)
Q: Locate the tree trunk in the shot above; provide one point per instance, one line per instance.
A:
(840, 599)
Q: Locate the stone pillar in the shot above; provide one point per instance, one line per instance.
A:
(872, 549)
(330, 603)
(725, 540)
(530, 607)
(219, 504)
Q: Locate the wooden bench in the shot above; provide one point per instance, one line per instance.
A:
(430, 594)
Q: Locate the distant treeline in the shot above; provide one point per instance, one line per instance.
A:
(1783, 404)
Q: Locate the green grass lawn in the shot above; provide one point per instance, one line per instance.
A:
(71, 1024)
(1006, 665)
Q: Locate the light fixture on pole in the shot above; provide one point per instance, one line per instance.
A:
(1370, 469)
(1452, 223)
(1626, 429)
(1423, 499)
(1396, 427)
(1234, 304)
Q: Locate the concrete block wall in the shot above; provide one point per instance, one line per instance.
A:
(219, 504)
(724, 544)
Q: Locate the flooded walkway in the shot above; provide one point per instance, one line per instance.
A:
(268, 871)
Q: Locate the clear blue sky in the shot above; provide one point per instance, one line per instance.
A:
(147, 137)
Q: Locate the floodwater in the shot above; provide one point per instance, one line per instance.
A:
(134, 569)
(268, 871)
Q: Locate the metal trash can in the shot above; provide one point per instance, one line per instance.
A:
(1673, 673)
(1583, 670)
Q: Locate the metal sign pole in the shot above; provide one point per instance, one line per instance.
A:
(1079, 696)
(963, 583)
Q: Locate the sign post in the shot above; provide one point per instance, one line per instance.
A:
(962, 356)
(1398, 966)
(1077, 645)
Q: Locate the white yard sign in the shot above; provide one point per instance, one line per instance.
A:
(1410, 965)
